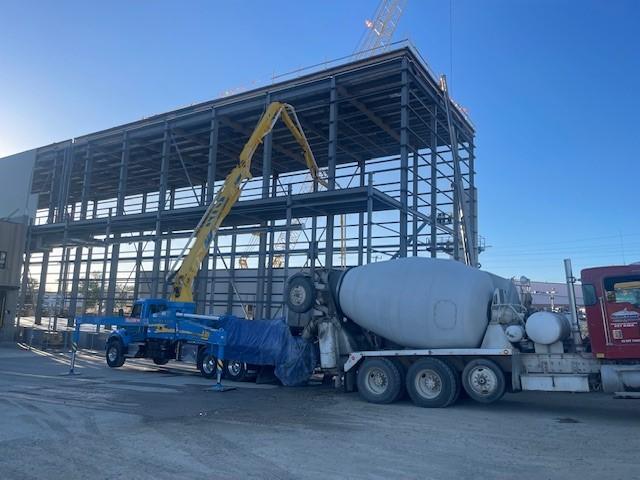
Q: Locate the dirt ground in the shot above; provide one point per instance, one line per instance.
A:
(144, 421)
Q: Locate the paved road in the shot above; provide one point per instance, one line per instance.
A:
(144, 421)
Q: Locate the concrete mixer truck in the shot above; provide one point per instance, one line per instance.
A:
(434, 328)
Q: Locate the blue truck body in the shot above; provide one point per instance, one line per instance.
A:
(163, 330)
(155, 330)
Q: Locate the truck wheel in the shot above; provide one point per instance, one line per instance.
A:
(115, 353)
(160, 361)
(484, 380)
(300, 293)
(207, 365)
(235, 370)
(379, 380)
(432, 383)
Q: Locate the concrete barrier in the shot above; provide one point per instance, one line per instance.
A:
(60, 340)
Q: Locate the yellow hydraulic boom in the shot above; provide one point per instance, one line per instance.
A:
(227, 196)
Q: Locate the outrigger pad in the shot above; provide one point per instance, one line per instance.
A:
(269, 342)
(219, 387)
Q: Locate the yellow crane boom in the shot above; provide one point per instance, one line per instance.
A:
(227, 196)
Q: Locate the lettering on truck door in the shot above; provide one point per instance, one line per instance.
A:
(622, 309)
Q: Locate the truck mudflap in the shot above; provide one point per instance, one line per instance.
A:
(356, 357)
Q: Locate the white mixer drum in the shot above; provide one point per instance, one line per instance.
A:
(419, 302)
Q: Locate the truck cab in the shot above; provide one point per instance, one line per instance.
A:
(146, 332)
(612, 303)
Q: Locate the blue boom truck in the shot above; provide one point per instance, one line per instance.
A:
(164, 330)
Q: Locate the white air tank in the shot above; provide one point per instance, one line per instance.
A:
(547, 328)
(419, 302)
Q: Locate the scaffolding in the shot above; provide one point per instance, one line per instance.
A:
(116, 207)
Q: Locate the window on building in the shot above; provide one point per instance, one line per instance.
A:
(3, 260)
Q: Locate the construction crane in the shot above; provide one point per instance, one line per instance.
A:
(380, 30)
(182, 280)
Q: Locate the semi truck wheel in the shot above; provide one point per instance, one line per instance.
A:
(115, 353)
(379, 380)
(235, 370)
(207, 365)
(432, 383)
(484, 380)
(160, 361)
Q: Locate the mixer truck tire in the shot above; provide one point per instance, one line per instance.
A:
(432, 383)
(300, 293)
(379, 380)
(484, 380)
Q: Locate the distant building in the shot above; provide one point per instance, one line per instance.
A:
(551, 295)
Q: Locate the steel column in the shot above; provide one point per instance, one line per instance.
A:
(77, 261)
(162, 198)
(473, 207)
(415, 203)
(434, 184)
(287, 240)
(361, 216)
(262, 249)
(167, 251)
(115, 248)
(369, 214)
(139, 251)
(269, 287)
(331, 168)
(404, 157)
(212, 157)
(42, 287)
(231, 273)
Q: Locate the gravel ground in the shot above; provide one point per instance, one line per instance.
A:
(144, 421)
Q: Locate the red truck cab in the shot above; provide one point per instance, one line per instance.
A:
(612, 303)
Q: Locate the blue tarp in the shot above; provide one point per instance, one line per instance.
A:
(269, 342)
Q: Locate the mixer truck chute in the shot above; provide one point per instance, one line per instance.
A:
(434, 327)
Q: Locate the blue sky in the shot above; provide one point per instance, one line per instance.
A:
(552, 86)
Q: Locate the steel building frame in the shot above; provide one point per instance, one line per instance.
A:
(115, 207)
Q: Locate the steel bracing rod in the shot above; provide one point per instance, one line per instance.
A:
(457, 177)
(184, 167)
